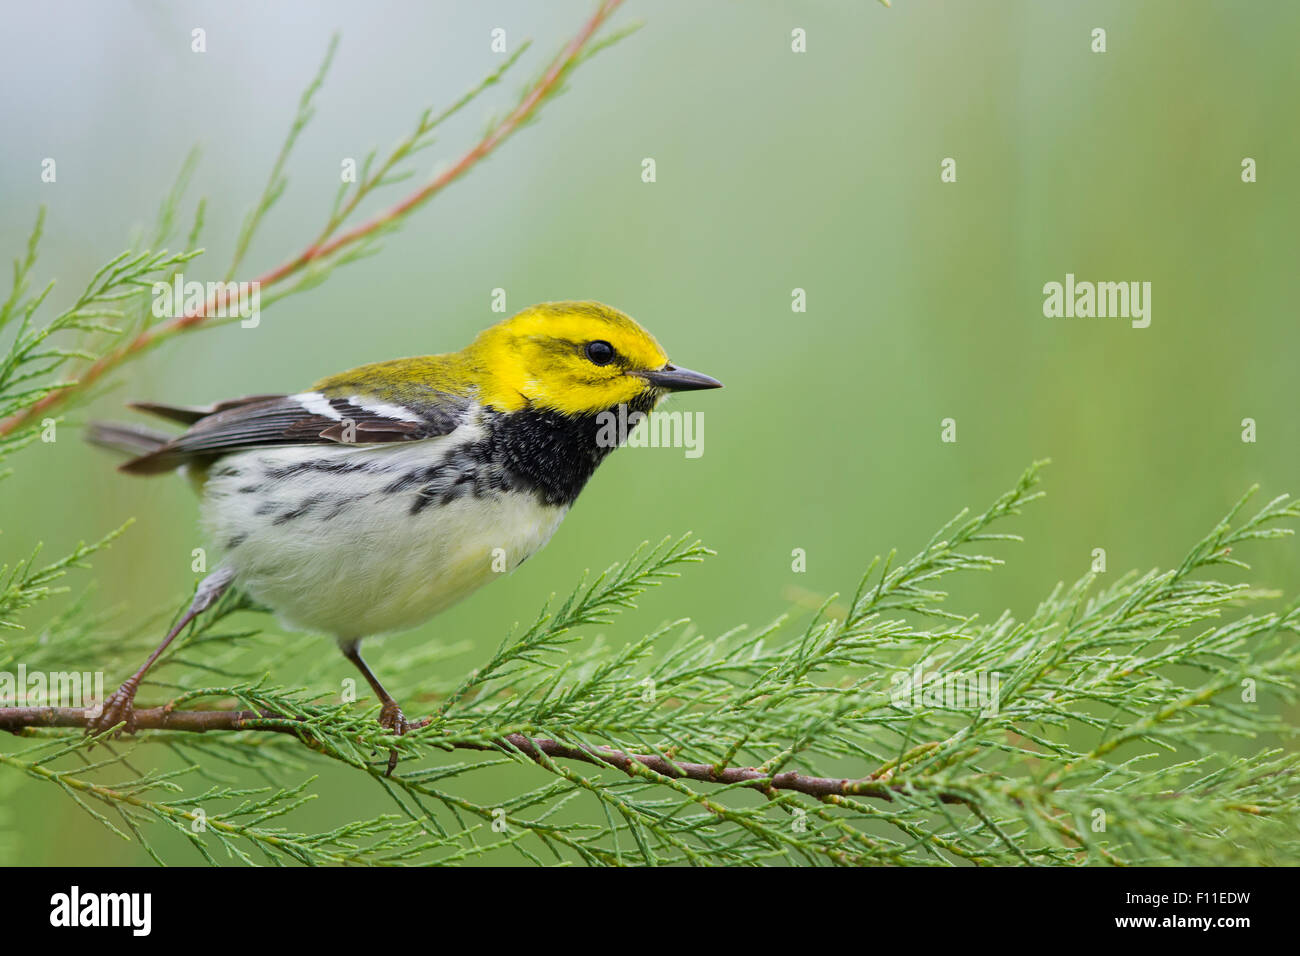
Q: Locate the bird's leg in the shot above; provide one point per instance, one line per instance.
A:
(120, 705)
(390, 714)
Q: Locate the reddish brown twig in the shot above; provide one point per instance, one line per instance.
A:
(750, 777)
(325, 247)
(16, 719)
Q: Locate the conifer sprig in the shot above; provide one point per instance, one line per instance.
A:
(1120, 734)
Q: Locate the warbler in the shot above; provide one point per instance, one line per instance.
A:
(380, 496)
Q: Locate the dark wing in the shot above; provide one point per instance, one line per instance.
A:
(308, 418)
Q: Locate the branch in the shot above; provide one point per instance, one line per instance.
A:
(322, 248)
(1093, 689)
(17, 719)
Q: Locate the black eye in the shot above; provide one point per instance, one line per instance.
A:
(600, 353)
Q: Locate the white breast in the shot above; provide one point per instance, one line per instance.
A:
(321, 535)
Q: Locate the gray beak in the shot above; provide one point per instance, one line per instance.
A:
(676, 379)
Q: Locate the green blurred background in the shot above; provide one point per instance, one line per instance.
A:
(775, 170)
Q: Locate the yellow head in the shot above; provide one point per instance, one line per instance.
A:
(576, 358)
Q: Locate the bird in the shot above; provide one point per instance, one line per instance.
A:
(379, 497)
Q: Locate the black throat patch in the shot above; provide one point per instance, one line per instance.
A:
(544, 453)
(552, 454)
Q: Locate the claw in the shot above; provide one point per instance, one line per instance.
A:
(118, 708)
(392, 719)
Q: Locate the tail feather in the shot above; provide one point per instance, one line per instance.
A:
(189, 414)
(131, 440)
(149, 451)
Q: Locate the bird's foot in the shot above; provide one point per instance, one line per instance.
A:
(118, 708)
(393, 720)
